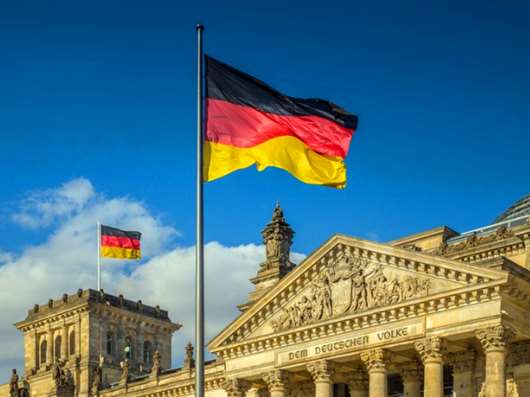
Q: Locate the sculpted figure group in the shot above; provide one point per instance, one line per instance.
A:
(349, 284)
(63, 377)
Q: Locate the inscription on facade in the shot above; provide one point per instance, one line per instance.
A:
(360, 341)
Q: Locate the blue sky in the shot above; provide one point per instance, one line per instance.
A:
(106, 91)
(97, 119)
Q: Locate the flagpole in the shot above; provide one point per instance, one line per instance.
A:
(98, 227)
(199, 246)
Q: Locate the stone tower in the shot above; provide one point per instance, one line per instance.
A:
(68, 341)
(277, 238)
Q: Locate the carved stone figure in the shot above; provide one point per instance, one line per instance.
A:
(62, 377)
(13, 384)
(189, 362)
(277, 238)
(348, 284)
(156, 369)
(124, 378)
(97, 381)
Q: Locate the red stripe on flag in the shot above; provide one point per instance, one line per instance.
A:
(122, 242)
(243, 126)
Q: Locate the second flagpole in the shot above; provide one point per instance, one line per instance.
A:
(199, 245)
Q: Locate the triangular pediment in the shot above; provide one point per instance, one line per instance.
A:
(347, 276)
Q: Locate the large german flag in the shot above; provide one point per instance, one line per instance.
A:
(248, 122)
(120, 244)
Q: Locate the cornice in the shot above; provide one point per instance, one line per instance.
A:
(380, 316)
(397, 258)
(28, 325)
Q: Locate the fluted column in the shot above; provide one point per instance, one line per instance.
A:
(431, 351)
(376, 361)
(277, 382)
(357, 382)
(236, 387)
(411, 374)
(494, 341)
(322, 373)
(463, 364)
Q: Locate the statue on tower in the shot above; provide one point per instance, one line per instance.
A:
(278, 238)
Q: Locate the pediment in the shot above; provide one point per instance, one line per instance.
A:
(344, 277)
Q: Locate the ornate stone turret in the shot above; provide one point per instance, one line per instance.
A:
(277, 238)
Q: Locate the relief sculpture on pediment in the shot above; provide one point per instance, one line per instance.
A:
(348, 284)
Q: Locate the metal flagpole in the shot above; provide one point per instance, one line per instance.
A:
(98, 226)
(199, 256)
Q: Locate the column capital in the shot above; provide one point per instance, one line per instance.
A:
(494, 338)
(463, 361)
(235, 387)
(411, 372)
(321, 371)
(375, 359)
(276, 380)
(431, 349)
(357, 380)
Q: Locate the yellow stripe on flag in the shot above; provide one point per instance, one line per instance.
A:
(120, 253)
(285, 152)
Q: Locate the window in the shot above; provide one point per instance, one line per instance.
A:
(148, 352)
(43, 350)
(57, 347)
(110, 343)
(71, 344)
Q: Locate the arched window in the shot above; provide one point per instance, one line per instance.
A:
(57, 347)
(43, 351)
(148, 352)
(71, 344)
(128, 350)
(110, 343)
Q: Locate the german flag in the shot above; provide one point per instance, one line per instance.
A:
(120, 244)
(248, 122)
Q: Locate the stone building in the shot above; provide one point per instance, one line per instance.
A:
(438, 313)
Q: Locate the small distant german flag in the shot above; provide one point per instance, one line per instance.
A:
(120, 244)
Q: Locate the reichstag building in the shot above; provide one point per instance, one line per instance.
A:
(438, 313)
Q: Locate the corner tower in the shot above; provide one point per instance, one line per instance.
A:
(66, 339)
(277, 238)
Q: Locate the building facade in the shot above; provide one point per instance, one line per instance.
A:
(434, 314)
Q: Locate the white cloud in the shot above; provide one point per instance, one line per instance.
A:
(42, 207)
(67, 261)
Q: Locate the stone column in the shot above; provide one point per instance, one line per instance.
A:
(357, 382)
(322, 373)
(236, 387)
(463, 364)
(411, 374)
(431, 351)
(494, 341)
(376, 361)
(277, 382)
